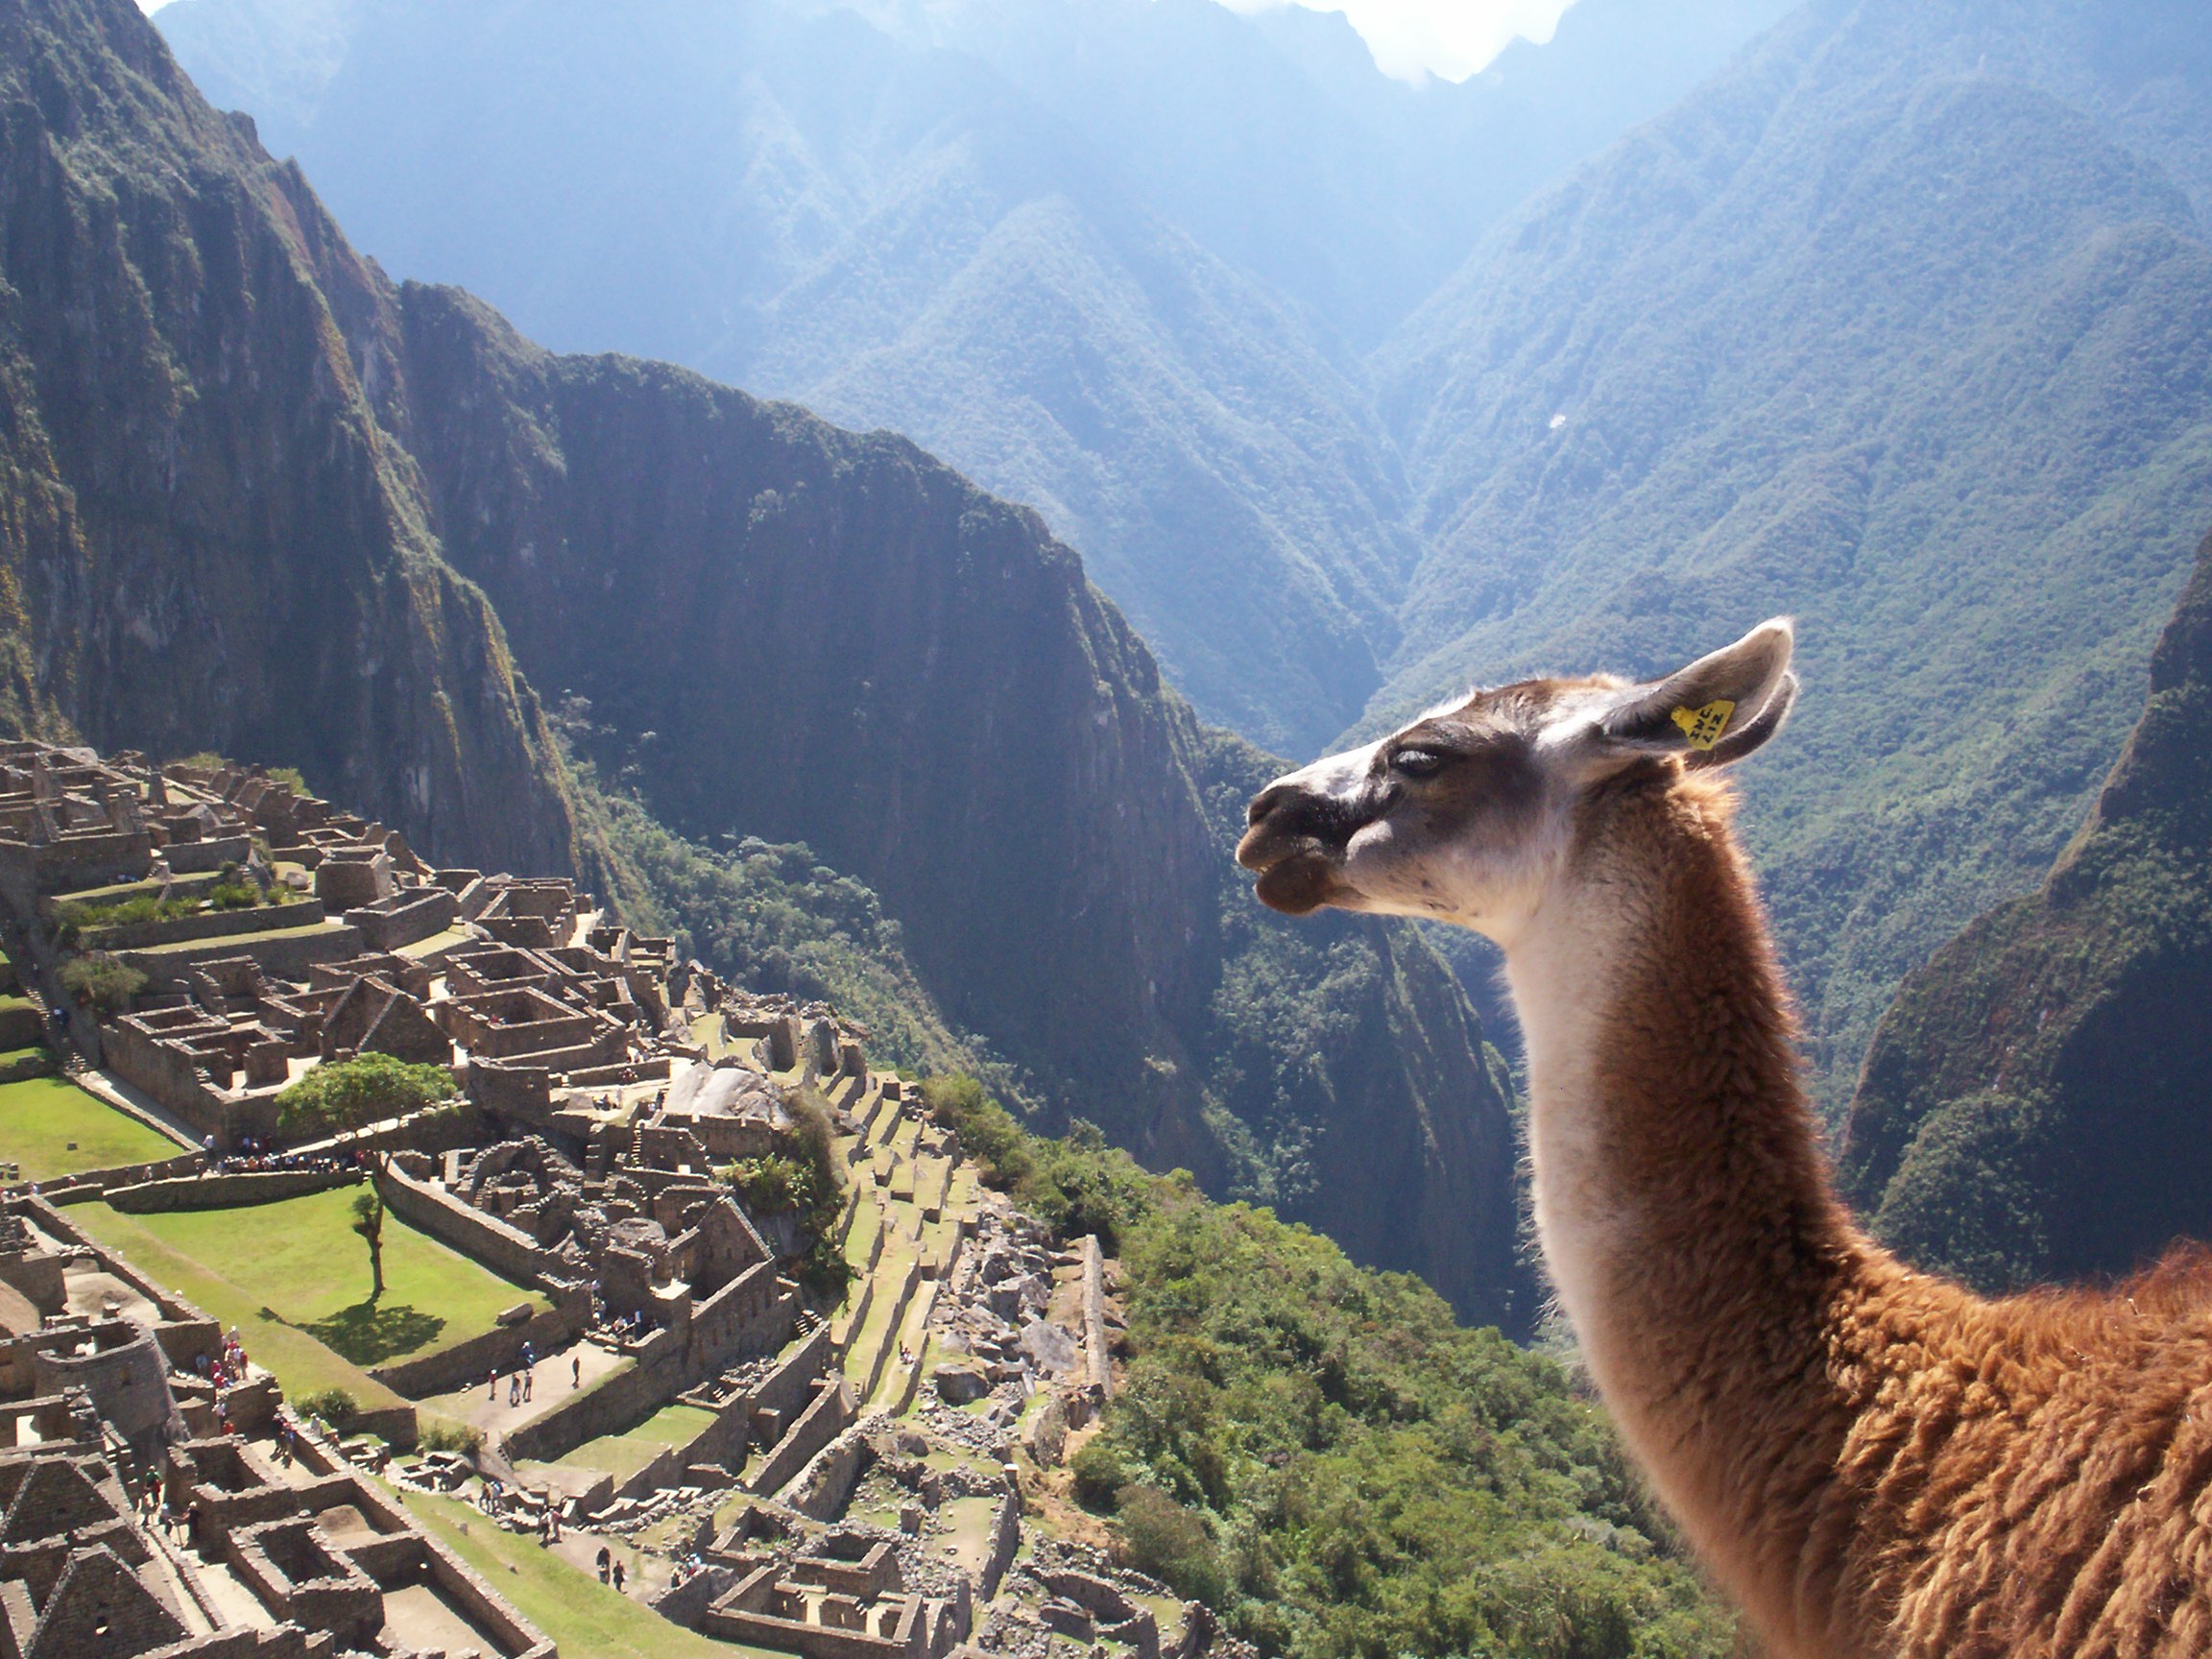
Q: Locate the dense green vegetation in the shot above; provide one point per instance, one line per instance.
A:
(1902, 326)
(1321, 1455)
(2033, 1105)
(350, 1094)
(774, 918)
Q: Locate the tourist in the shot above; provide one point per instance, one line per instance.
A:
(515, 1389)
(606, 1562)
(493, 1394)
(618, 1577)
(576, 1371)
(528, 1378)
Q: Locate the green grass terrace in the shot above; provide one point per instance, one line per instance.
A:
(53, 1128)
(292, 1278)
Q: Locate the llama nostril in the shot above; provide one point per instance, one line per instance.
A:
(1263, 803)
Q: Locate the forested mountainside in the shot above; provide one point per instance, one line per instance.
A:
(2033, 1103)
(1902, 326)
(1115, 259)
(1897, 321)
(259, 499)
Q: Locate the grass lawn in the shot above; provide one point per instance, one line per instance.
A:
(294, 1278)
(623, 1454)
(41, 1116)
(580, 1614)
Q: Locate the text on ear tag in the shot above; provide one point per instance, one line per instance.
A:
(1703, 725)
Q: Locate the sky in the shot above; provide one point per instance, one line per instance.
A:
(1448, 37)
(1409, 38)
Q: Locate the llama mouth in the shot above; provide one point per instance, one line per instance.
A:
(1300, 883)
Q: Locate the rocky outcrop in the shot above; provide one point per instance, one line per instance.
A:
(207, 540)
(2033, 1104)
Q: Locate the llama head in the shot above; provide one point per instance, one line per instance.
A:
(1468, 815)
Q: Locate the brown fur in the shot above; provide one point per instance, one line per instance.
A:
(1874, 1460)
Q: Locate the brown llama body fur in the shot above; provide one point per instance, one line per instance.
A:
(1875, 1462)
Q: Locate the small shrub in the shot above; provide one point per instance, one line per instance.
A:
(233, 896)
(439, 1435)
(1100, 1474)
(1162, 1537)
(106, 982)
(335, 1405)
(772, 1184)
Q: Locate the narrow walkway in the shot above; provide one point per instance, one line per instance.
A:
(549, 1387)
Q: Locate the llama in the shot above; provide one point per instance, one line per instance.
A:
(1871, 1460)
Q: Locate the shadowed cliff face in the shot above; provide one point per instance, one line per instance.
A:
(833, 638)
(2035, 1103)
(208, 542)
(258, 501)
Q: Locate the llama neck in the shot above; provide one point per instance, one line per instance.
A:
(1680, 1194)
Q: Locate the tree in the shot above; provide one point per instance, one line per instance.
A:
(103, 983)
(369, 1222)
(346, 1097)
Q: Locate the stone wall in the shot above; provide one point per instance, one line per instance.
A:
(469, 1362)
(615, 1403)
(176, 1079)
(818, 1425)
(206, 924)
(785, 1390)
(823, 1487)
(231, 1191)
(506, 1250)
(1005, 1540)
(281, 955)
(1098, 1365)
(408, 916)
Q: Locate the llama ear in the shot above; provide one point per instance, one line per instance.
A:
(1717, 710)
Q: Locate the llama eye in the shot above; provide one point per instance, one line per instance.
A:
(1417, 763)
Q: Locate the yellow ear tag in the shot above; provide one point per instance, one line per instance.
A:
(1703, 725)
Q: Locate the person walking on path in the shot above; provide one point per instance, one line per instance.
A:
(618, 1577)
(575, 1370)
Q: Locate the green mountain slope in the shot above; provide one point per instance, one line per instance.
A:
(1113, 258)
(2036, 1101)
(1891, 328)
(1317, 1453)
(261, 500)
(835, 639)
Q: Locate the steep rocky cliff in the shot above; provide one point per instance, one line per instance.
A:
(206, 541)
(2037, 1100)
(833, 638)
(258, 499)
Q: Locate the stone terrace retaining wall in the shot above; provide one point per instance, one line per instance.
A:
(469, 1362)
(232, 1192)
(818, 1425)
(208, 925)
(506, 1249)
(282, 954)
